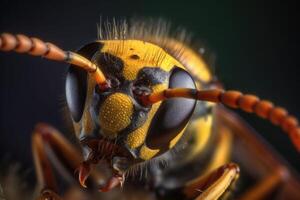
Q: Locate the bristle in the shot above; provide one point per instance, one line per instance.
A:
(160, 32)
(148, 30)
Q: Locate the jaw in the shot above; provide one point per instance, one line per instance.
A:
(103, 184)
(105, 163)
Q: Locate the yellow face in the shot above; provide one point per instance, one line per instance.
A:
(132, 67)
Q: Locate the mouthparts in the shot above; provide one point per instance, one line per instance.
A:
(104, 152)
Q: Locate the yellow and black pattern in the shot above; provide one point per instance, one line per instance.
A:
(175, 42)
(140, 62)
(139, 96)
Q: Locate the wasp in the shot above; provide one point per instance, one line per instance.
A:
(144, 102)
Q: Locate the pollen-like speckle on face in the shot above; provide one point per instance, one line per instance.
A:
(115, 113)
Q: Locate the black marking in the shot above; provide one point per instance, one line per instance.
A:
(18, 43)
(32, 45)
(68, 57)
(89, 50)
(48, 49)
(173, 114)
(220, 96)
(76, 82)
(139, 117)
(193, 93)
(110, 64)
(149, 76)
(134, 57)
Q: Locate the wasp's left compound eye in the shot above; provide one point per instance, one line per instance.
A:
(76, 82)
(76, 89)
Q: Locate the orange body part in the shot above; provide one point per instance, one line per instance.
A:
(36, 47)
(235, 99)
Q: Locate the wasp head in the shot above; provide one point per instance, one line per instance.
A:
(113, 124)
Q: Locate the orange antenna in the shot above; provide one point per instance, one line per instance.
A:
(235, 99)
(36, 47)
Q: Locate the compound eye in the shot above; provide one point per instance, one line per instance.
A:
(76, 89)
(76, 82)
(173, 114)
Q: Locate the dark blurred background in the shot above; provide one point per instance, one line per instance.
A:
(255, 43)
